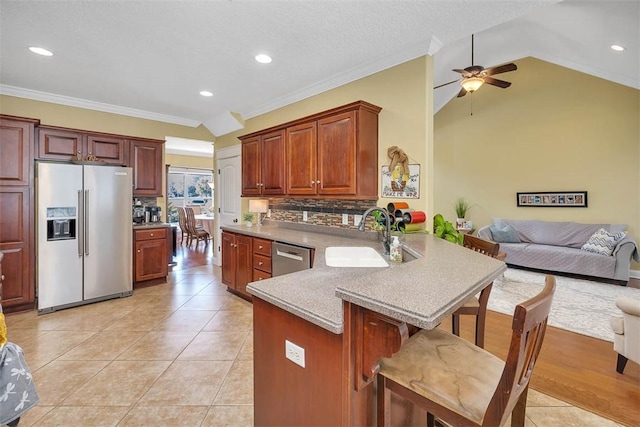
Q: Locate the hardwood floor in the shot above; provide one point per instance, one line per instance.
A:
(574, 368)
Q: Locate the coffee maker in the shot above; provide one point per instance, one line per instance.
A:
(153, 214)
(138, 214)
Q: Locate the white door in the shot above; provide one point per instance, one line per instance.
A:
(228, 192)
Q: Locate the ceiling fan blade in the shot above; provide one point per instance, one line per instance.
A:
(448, 83)
(465, 73)
(462, 92)
(505, 68)
(496, 82)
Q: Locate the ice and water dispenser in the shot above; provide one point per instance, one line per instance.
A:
(61, 223)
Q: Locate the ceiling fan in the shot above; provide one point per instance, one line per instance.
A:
(475, 76)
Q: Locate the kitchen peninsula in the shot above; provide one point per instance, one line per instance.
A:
(341, 320)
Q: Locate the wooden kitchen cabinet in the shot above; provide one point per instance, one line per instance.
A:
(145, 157)
(17, 226)
(329, 154)
(261, 259)
(237, 263)
(151, 246)
(57, 143)
(263, 164)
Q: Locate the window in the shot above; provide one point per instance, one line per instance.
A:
(189, 187)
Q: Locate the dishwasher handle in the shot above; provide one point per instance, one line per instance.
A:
(291, 255)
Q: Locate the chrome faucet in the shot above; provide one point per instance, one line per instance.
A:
(386, 236)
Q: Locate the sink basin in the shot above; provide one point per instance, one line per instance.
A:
(353, 256)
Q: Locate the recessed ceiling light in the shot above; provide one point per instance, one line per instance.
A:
(40, 51)
(206, 93)
(617, 47)
(263, 59)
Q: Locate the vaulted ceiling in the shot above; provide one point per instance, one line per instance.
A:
(152, 58)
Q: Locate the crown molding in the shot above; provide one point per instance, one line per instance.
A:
(92, 105)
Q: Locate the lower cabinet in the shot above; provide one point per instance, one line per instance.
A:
(151, 247)
(244, 259)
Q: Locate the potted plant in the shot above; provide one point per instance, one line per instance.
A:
(247, 217)
(445, 230)
(461, 207)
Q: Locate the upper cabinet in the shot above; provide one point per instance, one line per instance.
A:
(263, 166)
(69, 144)
(330, 154)
(145, 157)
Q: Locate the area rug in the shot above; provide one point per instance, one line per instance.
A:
(580, 306)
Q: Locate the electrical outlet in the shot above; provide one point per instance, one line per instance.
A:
(345, 219)
(357, 219)
(305, 216)
(294, 353)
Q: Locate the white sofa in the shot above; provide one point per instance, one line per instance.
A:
(557, 246)
(626, 328)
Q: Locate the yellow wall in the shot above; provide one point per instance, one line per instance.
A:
(181, 161)
(554, 129)
(406, 117)
(79, 118)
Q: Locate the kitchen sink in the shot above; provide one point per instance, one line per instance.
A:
(353, 256)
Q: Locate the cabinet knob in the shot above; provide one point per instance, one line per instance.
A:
(259, 278)
(1, 278)
(260, 263)
(138, 250)
(260, 247)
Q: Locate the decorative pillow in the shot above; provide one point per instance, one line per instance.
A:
(603, 242)
(505, 234)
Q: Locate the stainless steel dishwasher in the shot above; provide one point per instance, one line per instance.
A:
(287, 258)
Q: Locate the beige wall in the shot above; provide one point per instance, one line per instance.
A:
(406, 117)
(181, 161)
(554, 129)
(79, 118)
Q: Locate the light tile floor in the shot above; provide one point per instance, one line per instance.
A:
(176, 354)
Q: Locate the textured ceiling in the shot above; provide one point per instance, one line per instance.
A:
(152, 58)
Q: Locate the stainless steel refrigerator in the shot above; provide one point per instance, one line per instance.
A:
(84, 234)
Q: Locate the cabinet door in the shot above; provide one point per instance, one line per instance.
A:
(151, 259)
(301, 159)
(107, 149)
(229, 259)
(145, 157)
(244, 266)
(60, 144)
(252, 166)
(16, 139)
(273, 164)
(337, 150)
(16, 231)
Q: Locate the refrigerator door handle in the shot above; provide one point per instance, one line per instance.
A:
(80, 223)
(86, 222)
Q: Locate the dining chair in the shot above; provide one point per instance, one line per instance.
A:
(476, 306)
(462, 384)
(184, 231)
(195, 232)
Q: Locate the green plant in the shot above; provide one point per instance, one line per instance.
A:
(380, 222)
(446, 230)
(461, 206)
(247, 217)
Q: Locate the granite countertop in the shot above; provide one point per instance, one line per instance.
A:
(151, 225)
(441, 275)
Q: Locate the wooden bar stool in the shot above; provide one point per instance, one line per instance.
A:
(477, 306)
(461, 383)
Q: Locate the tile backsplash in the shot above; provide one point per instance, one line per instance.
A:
(319, 212)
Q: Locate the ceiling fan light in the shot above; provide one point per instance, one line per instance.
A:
(472, 84)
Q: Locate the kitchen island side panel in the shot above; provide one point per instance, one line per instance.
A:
(286, 394)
